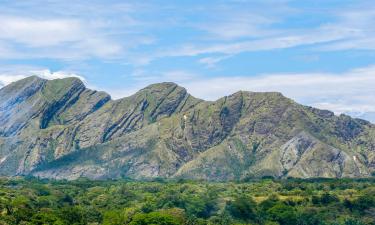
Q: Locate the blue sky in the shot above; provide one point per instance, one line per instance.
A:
(318, 52)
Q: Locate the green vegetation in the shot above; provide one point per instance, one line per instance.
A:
(264, 201)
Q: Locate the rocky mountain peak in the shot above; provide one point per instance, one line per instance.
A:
(60, 129)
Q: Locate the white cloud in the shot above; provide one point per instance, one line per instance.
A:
(9, 77)
(211, 62)
(27, 37)
(47, 74)
(40, 33)
(234, 25)
(321, 35)
(237, 32)
(244, 19)
(359, 21)
(69, 31)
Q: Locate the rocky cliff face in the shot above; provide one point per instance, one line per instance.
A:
(60, 129)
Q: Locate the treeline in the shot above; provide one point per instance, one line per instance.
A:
(264, 201)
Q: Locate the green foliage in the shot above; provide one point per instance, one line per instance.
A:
(325, 199)
(243, 207)
(46, 217)
(264, 201)
(283, 214)
(328, 198)
(155, 218)
(353, 222)
(309, 216)
(114, 217)
(72, 215)
(364, 202)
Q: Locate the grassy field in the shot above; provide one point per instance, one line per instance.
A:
(263, 201)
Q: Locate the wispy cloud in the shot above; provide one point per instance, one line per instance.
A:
(236, 24)
(236, 31)
(321, 35)
(67, 31)
(139, 33)
(40, 33)
(359, 20)
(52, 38)
(211, 61)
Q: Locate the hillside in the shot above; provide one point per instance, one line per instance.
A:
(60, 129)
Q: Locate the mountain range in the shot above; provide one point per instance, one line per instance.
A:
(60, 129)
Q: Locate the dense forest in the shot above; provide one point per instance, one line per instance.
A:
(263, 201)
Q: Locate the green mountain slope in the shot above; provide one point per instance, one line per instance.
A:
(60, 129)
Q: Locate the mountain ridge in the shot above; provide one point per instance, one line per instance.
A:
(60, 129)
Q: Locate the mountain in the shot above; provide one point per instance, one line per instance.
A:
(60, 129)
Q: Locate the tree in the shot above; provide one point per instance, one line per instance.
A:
(21, 209)
(114, 217)
(284, 214)
(48, 217)
(72, 215)
(155, 218)
(364, 202)
(243, 208)
(348, 204)
(328, 198)
(309, 216)
(324, 199)
(198, 206)
(351, 221)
